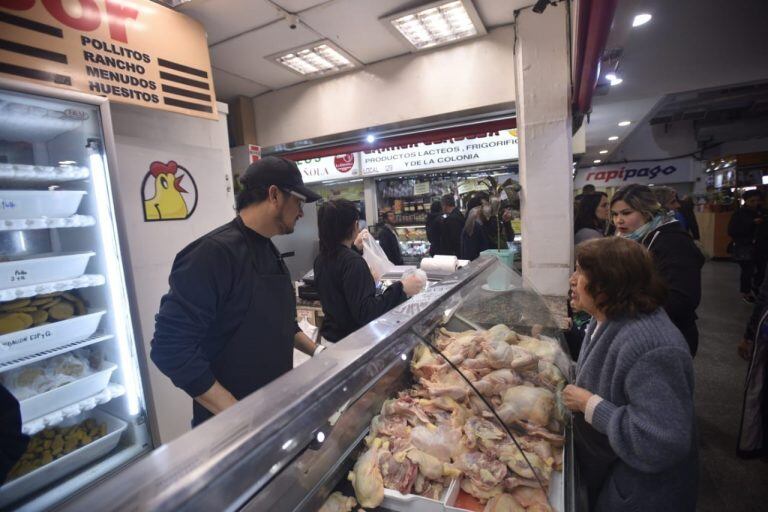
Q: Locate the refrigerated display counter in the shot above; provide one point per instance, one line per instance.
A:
(385, 394)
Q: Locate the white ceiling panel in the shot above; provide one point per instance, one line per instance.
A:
(226, 18)
(228, 86)
(298, 5)
(244, 55)
(354, 25)
(499, 12)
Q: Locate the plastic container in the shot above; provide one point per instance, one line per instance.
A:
(25, 204)
(48, 336)
(31, 482)
(42, 173)
(500, 279)
(42, 268)
(44, 403)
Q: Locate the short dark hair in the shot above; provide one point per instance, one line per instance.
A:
(253, 195)
(477, 200)
(335, 223)
(436, 207)
(448, 200)
(621, 277)
(587, 189)
(585, 212)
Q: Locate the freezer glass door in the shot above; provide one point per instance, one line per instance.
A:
(67, 347)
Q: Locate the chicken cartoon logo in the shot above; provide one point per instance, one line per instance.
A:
(165, 196)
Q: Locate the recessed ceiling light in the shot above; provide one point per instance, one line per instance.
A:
(641, 19)
(317, 59)
(436, 24)
(625, 123)
(603, 151)
(613, 137)
(370, 138)
(596, 161)
(67, 162)
(614, 80)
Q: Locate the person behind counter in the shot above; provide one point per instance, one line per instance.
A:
(342, 277)
(388, 238)
(453, 225)
(228, 324)
(632, 398)
(474, 238)
(434, 227)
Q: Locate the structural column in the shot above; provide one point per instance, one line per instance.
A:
(542, 71)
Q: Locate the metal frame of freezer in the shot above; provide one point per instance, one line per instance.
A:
(103, 105)
(264, 453)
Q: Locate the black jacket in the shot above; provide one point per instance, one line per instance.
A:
(679, 263)
(434, 228)
(388, 241)
(450, 240)
(744, 231)
(348, 293)
(13, 443)
(491, 228)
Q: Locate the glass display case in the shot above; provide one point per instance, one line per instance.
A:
(68, 350)
(448, 401)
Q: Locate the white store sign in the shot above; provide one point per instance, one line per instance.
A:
(330, 167)
(476, 149)
(679, 170)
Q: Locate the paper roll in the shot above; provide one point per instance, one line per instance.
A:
(438, 264)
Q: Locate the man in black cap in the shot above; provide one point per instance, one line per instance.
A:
(228, 324)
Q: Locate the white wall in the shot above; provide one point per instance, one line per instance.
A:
(202, 147)
(464, 76)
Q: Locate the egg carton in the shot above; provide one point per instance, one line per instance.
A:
(21, 292)
(75, 221)
(110, 392)
(42, 173)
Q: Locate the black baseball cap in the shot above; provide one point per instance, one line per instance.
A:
(281, 172)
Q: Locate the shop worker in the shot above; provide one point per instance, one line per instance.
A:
(387, 238)
(228, 324)
(453, 225)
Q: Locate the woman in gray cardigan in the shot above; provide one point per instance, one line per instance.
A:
(633, 394)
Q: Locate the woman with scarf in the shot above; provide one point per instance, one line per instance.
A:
(474, 238)
(638, 216)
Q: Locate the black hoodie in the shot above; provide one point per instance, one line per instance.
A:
(679, 263)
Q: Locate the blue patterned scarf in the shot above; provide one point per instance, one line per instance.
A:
(659, 219)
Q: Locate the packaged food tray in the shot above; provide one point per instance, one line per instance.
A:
(42, 268)
(48, 336)
(25, 204)
(31, 482)
(58, 398)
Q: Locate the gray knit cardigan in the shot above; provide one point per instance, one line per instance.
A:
(643, 370)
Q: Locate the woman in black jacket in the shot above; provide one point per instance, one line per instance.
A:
(638, 216)
(342, 277)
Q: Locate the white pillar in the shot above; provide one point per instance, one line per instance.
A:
(544, 127)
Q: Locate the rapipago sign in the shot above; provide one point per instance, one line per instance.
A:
(679, 170)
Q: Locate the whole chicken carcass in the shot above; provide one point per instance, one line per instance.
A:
(480, 492)
(526, 403)
(425, 363)
(458, 413)
(460, 349)
(366, 477)
(545, 348)
(501, 332)
(430, 466)
(511, 455)
(398, 473)
(443, 442)
(534, 500)
(406, 407)
(501, 355)
(337, 502)
(483, 469)
(448, 384)
(503, 503)
(497, 381)
(480, 431)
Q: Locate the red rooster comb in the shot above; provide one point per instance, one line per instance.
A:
(158, 168)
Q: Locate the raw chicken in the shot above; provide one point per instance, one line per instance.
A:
(547, 349)
(513, 482)
(532, 499)
(447, 384)
(525, 403)
(458, 413)
(428, 488)
(406, 407)
(442, 442)
(503, 503)
(398, 473)
(337, 502)
(510, 454)
(478, 491)
(497, 381)
(426, 363)
(500, 355)
(501, 332)
(390, 426)
(366, 477)
(430, 466)
(549, 376)
(483, 469)
(483, 432)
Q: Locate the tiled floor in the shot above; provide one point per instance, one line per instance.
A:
(726, 482)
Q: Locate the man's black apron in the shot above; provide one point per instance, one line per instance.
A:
(261, 349)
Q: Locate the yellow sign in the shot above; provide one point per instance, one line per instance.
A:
(164, 195)
(131, 51)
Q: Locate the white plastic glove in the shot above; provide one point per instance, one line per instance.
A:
(362, 235)
(414, 282)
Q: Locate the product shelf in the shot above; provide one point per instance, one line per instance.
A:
(63, 285)
(45, 354)
(111, 392)
(75, 221)
(41, 173)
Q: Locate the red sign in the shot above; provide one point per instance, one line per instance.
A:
(345, 162)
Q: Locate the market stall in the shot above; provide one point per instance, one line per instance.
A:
(292, 444)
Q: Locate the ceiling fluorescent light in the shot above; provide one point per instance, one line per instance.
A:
(596, 161)
(603, 151)
(625, 123)
(436, 24)
(317, 59)
(641, 19)
(613, 138)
